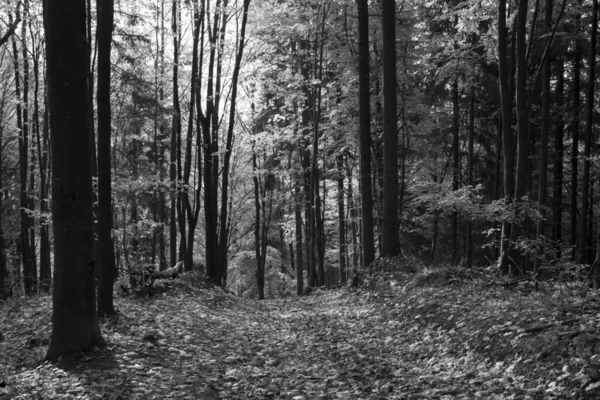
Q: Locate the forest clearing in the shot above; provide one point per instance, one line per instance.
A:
(435, 334)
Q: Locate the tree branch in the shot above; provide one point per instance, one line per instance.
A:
(9, 32)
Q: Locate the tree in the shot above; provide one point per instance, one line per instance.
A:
(217, 223)
(75, 320)
(584, 237)
(105, 253)
(389, 237)
(365, 133)
(544, 131)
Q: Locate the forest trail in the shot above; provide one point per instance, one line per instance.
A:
(405, 342)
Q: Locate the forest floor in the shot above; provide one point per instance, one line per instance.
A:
(436, 334)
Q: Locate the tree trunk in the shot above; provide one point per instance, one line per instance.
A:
(42, 160)
(390, 243)
(558, 158)
(75, 325)
(522, 108)
(585, 184)
(575, 142)
(353, 222)
(104, 257)
(175, 137)
(506, 118)
(365, 134)
(299, 245)
(470, 173)
(28, 278)
(224, 228)
(28, 131)
(544, 133)
(3, 291)
(341, 219)
(455, 168)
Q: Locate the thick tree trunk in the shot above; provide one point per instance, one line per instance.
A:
(104, 246)
(365, 134)
(75, 321)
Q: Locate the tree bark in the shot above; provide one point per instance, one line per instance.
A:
(470, 173)
(575, 141)
(544, 133)
(3, 292)
(299, 245)
(558, 158)
(368, 246)
(522, 108)
(22, 124)
(75, 325)
(455, 168)
(506, 124)
(175, 137)
(584, 238)
(104, 246)
(341, 219)
(390, 245)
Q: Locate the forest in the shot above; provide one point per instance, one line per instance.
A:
(410, 171)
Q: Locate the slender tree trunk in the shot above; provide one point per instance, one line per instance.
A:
(544, 133)
(390, 245)
(29, 125)
(584, 250)
(3, 291)
(353, 223)
(105, 256)
(558, 158)
(74, 320)
(365, 134)
(175, 134)
(42, 160)
(224, 228)
(575, 144)
(522, 115)
(341, 219)
(507, 135)
(28, 278)
(470, 173)
(299, 245)
(455, 168)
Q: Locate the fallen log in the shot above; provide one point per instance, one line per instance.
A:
(170, 273)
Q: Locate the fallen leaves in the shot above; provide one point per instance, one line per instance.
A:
(397, 342)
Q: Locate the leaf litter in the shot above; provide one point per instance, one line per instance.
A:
(405, 337)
